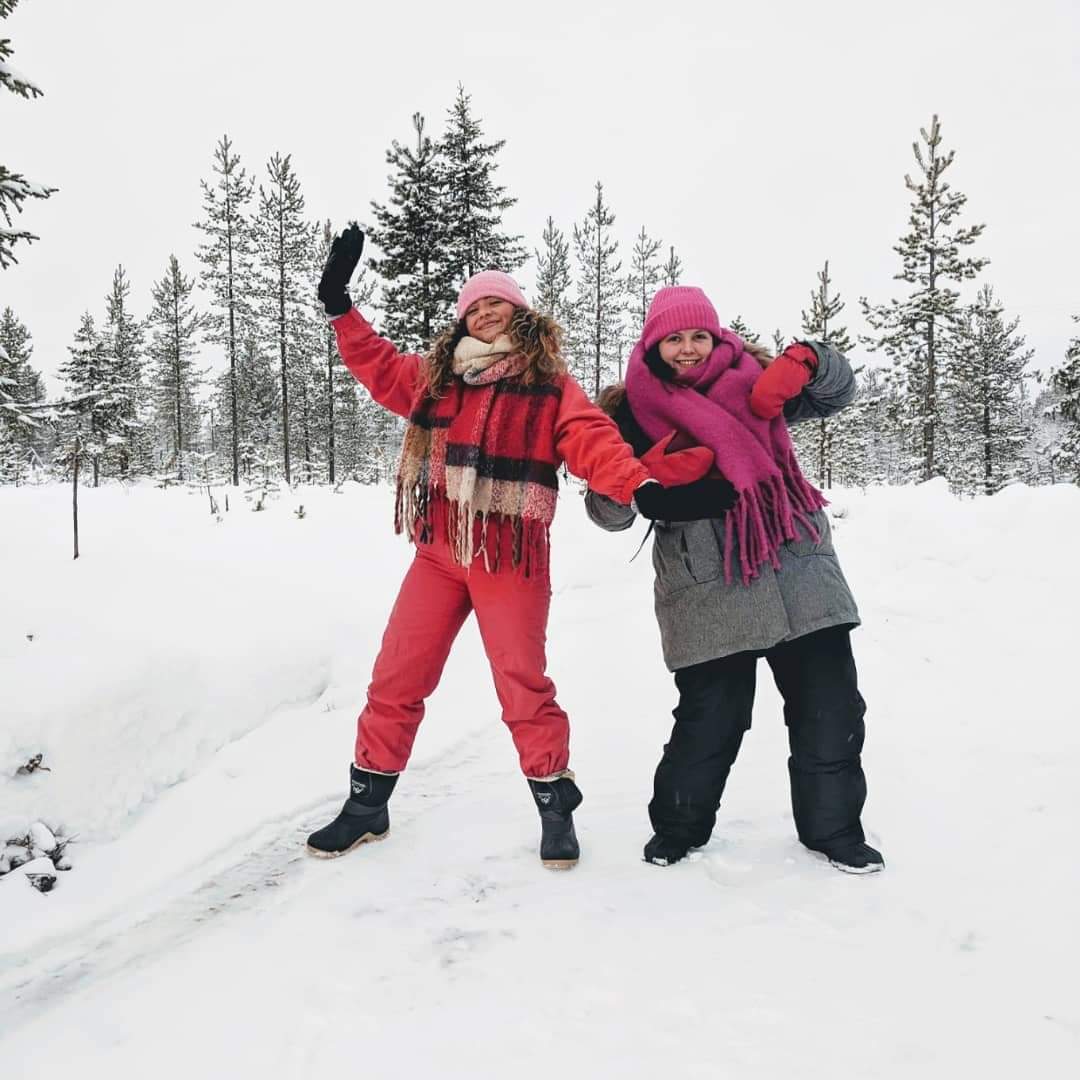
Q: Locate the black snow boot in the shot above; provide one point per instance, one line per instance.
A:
(665, 850)
(364, 816)
(557, 800)
(855, 859)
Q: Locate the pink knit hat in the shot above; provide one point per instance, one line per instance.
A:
(489, 283)
(678, 307)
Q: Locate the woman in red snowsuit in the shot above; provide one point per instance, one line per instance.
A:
(492, 415)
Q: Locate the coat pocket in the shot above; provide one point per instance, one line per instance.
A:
(685, 555)
(805, 546)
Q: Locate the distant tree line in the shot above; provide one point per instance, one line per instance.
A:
(951, 395)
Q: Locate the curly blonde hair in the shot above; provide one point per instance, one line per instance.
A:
(535, 336)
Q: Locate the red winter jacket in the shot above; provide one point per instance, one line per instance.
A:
(586, 439)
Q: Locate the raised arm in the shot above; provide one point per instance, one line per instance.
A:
(830, 389)
(807, 381)
(391, 377)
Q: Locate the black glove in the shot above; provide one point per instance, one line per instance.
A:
(707, 498)
(344, 255)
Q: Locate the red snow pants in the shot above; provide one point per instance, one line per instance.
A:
(435, 599)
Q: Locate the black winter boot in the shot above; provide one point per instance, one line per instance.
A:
(665, 850)
(557, 800)
(855, 859)
(364, 816)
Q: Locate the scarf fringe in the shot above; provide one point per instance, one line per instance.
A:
(765, 517)
(472, 534)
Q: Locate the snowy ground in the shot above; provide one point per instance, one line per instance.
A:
(193, 686)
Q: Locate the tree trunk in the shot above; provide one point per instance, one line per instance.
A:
(281, 342)
(176, 377)
(823, 436)
(232, 351)
(75, 495)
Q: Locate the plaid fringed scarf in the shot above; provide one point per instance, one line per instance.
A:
(480, 461)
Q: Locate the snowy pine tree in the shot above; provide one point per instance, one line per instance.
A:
(553, 275)
(258, 396)
(226, 256)
(474, 204)
(123, 339)
(98, 394)
(672, 269)
(645, 276)
(985, 382)
(597, 330)
(816, 441)
(175, 326)
(1065, 381)
(738, 326)
(22, 437)
(15, 188)
(283, 242)
(413, 235)
(918, 332)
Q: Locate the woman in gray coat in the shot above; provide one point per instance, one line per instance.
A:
(761, 579)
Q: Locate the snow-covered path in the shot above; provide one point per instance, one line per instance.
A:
(193, 936)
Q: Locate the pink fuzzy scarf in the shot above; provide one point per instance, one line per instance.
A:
(711, 404)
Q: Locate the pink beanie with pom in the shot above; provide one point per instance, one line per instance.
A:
(489, 283)
(678, 307)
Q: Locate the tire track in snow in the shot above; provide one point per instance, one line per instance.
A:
(228, 884)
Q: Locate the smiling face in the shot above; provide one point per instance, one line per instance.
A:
(686, 348)
(488, 318)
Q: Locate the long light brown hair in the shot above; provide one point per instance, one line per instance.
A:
(535, 336)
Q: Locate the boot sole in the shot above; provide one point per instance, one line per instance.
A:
(367, 838)
(559, 864)
(871, 868)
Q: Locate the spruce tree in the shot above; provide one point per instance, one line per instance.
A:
(672, 270)
(597, 330)
(15, 188)
(738, 326)
(123, 339)
(96, 392)
(1049, 429)
(474, 203)
(259, 394)
(175, 326)
(21, 435)
(1065, 381)
(819, 323)
(985, 382)
(553, 275)
(226, 257)
(645, 275)
(413, 235)
(283, 241)
(918, 332)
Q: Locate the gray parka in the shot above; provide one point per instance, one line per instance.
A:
(702, 618)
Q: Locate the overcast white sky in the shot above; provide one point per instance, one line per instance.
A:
(760, 137)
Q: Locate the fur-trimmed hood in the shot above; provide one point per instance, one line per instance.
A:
(611, 398)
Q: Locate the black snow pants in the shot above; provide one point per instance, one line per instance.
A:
(823, 711)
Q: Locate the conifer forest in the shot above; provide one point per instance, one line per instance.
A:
(948, 387)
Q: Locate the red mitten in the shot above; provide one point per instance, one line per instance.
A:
(678, 467)
(782, 380)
